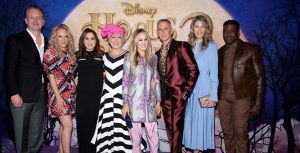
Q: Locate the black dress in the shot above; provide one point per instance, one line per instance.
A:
(89, 89)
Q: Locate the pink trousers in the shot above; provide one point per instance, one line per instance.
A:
(152, 136)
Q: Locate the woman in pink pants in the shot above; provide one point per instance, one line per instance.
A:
(141, 98)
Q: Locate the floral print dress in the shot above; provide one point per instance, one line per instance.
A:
(63, 70)
(137, 91)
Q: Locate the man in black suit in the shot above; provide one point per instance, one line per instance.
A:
(25, 82)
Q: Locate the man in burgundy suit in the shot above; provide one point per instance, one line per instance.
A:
(178, 73)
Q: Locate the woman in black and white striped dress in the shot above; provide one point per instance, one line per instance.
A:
(111, 134)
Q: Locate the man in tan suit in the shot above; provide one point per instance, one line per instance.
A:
(241, 88)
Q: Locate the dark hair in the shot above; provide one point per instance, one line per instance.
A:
(234, 22)
(164, 20)
(97, 51)
(34, 7)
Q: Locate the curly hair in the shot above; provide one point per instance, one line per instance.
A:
(70, 47)
(110, 29)
(208, 31)
(134, 56)
(97, 51)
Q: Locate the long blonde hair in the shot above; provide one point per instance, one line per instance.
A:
(208, 31)
(134, 55)
(70, 47)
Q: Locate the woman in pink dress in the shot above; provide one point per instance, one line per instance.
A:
(59, 65)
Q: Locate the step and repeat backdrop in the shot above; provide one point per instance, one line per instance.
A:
(268, 133)
(145, 14)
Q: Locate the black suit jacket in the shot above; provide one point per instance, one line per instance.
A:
(23, 68)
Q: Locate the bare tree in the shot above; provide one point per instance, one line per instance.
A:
(278, 34)
(220, 136)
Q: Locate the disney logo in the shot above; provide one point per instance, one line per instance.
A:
(136, 9)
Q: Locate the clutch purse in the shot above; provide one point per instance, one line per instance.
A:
(128, 121)
(202, 100)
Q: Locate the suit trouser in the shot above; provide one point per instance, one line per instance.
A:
(152, 135)
(29, 125)
(234, 117)
(173, 112)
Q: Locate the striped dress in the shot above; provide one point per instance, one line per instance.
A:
(111, 134)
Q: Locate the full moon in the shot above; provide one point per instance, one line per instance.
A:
(175, 10)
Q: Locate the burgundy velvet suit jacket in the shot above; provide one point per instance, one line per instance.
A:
(181, 71)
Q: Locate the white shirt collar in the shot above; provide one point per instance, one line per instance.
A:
(33, 36)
